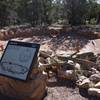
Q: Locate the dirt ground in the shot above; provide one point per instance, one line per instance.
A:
(62, 89)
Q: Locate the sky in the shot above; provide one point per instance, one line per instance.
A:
(98, 1)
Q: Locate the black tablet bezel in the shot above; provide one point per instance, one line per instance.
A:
(25, 44)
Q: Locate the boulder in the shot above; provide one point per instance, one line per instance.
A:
(31, 89)
(94, 92)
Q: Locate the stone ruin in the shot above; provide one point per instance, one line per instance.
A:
(83, 69)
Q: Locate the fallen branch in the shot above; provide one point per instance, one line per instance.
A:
(84, 62)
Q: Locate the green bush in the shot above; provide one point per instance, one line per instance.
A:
(93, 21)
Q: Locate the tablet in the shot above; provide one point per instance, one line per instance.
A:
(18, 59)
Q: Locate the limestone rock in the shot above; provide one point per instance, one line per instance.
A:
(42, 60)
(88, 56)
(44, 54)
(98, 61)
(70, 65)
(80, 79)
(62, 55)
(90, 72)
(77, 66)
(95, 78)
(86, 73)
(93, 71)
(51, 60)
(68, 74)
(97, 85)
(31, 89)
(85, 83)
(70, 62)
(0, 55)
(94, 92)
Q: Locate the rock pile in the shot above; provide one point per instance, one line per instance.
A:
(24, 32)
(81, 68)
(28, 31)
(84, 69)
